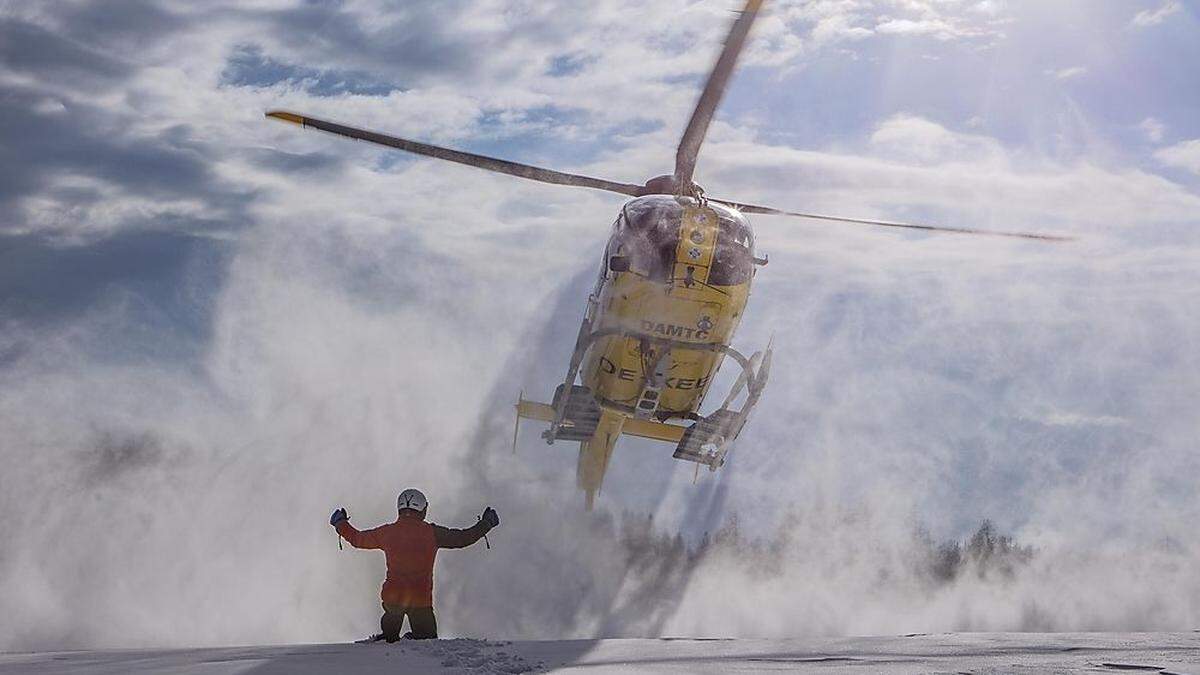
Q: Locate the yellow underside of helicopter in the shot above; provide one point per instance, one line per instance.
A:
(641, 370)
(685, 310)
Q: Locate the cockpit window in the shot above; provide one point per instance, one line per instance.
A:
(647, 233)
(650, 235)
(733, 261)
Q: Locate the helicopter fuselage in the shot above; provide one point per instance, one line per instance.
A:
(674, 282)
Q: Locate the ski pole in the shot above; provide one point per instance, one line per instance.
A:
(485, 539)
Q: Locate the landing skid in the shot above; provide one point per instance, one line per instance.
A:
(707, 441)
(576, 415)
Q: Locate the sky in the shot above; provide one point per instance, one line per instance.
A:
(215, 328)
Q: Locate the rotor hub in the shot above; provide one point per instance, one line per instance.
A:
(667, 184)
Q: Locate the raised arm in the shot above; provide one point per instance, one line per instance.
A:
(356, 538)
(447, 537)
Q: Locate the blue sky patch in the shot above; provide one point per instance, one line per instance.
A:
(249, 67)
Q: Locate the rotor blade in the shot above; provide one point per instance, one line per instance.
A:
(751, 208)
(693, 136)
(470, 159)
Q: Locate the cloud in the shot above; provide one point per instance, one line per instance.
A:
(42, 281)
(1153, 129)
(940, 29)
(113, 24)
(31, 50)
(76, 169)
(837, 28)
(1072, 420)
(1067, 73)
(791, 31)
(988, 7)
(912, 165)
(912, 138)
(1184, 155)
(248, 67)
(1153, 17)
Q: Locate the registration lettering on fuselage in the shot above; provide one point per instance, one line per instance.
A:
(673, 331)
(681, 383)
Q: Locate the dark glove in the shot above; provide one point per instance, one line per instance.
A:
(490, 518)
(338, 516)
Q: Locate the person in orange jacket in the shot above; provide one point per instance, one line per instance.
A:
(411, 545)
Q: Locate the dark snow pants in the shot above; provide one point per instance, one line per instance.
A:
(422, 624)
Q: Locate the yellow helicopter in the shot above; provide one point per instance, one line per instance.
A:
(673, 286)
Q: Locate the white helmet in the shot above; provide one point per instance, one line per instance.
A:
(412, 499)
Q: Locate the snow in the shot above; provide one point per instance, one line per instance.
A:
(948, 653)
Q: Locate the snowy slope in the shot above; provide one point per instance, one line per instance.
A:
(949, 653)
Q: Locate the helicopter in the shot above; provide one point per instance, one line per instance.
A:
(673, 286)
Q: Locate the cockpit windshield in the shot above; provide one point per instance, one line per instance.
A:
(648, 235)
(733, 261)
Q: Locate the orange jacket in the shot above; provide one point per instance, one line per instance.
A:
(411, 545)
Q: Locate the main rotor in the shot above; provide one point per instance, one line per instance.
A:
(678, 183)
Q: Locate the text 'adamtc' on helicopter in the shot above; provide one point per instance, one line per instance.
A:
(673, 287)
